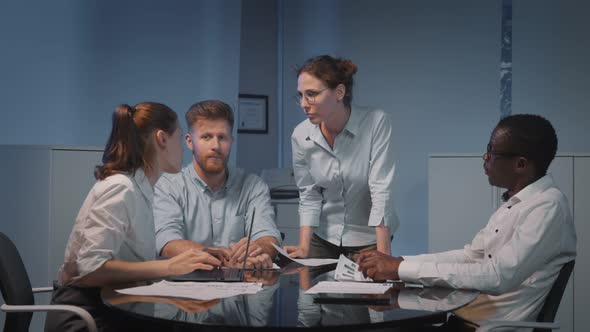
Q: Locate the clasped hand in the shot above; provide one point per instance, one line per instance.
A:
(235, 254)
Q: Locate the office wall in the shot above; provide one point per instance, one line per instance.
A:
(258, 75)
(433, 65)
(552, 68)
(66, 64)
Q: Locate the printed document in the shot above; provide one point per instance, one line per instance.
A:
(348, 287)
(347, 270)
(194, 290)
(306, 261)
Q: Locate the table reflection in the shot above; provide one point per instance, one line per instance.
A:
(282, 302)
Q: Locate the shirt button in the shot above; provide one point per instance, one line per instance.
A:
(496, 231)
(490, 256)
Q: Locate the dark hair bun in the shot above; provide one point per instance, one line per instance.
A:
(347, 67)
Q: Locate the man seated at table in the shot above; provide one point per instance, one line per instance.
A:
(516, 258)
(208, 205)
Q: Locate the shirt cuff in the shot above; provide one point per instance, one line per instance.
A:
(165, 236)
(92, 262)
(409, 271)
(309, 219)
(275, 233)
(375, 219)
(388, 219)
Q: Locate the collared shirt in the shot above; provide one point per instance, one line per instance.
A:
(186, 208)
(346, 191)
(514, 260)
(115, 222)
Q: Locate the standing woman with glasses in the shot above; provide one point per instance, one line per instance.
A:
(113, 240)
(344, 165)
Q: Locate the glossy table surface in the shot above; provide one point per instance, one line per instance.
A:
(282, 303)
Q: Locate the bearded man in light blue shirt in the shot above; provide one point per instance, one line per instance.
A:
(208, 205)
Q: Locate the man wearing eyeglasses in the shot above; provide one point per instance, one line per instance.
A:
(517, 257)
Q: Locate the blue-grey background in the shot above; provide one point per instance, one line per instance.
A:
(434, 65)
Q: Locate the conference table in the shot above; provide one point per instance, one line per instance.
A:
(283, 304)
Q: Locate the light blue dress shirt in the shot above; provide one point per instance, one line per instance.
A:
(346, 191)
(186, 208)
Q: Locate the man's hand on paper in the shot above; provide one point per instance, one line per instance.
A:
(191, 260)
(379, 266)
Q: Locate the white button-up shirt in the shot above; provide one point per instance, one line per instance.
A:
(514, 260)
(115, 222)
(346, 191)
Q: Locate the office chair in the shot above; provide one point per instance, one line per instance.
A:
(545, 319)
(15, 286)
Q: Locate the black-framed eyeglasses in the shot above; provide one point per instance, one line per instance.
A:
(489, 152)
(309, 96)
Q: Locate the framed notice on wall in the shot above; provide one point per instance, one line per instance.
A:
(253, 114)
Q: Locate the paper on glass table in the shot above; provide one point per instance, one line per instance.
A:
(349, 287)
(306, 261)
(194, 290)
(347, 270)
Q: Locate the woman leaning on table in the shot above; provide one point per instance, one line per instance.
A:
(113, 239)
(343, 163)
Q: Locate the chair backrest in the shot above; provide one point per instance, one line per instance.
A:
(553, 299)
(15, 285)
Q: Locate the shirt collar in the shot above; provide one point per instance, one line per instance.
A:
(193, 174)
(529, 191)
(144, 184)
(354, 121)
(352, 126)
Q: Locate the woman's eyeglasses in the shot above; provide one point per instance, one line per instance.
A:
(309, 96)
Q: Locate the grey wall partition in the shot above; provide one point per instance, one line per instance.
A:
(551, 59)
(66, 64)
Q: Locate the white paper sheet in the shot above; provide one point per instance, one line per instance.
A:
(306, 261)
(194, 290)
(348, 287)
(347, 270)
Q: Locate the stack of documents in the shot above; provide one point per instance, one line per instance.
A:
(194, 290)
(349, 281)
(347, 270)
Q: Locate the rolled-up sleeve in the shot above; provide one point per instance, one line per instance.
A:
(310, 196)
(264, 223)
(104, 228)
(168, 212)
(381, 174)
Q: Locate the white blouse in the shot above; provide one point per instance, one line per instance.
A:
(346, 191)
(115, 222)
